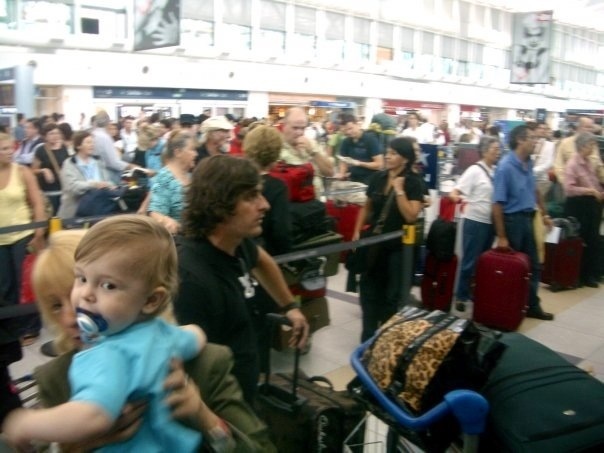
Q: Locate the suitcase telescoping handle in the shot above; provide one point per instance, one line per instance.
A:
(275, 319)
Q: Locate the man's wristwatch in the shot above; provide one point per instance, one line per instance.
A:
(291, 306)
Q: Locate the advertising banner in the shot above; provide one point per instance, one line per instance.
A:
(156, 24)
(531, 47)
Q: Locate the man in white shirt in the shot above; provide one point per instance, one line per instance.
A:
(466, 127)
(423, 133)
(129, 139)
(543, 159)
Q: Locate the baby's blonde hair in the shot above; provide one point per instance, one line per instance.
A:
(151, 253)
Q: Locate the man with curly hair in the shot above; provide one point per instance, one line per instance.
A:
(220, 264)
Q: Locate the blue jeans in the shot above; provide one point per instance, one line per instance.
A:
(520, 234)
(477, 238)
(380, 292)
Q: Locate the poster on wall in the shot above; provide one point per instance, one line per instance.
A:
(531, 47)
(156, 24)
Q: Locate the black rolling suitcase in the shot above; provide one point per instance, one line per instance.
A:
(541, 403)
(305, 415)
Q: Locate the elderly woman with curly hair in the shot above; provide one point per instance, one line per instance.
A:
(262, 145)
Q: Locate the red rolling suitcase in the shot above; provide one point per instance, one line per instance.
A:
(502, 289)
(438, 283)
(562, 264)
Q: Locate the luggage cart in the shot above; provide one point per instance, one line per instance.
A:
(467, 407)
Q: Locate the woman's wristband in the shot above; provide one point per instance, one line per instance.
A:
(290, 306)
(400, 193)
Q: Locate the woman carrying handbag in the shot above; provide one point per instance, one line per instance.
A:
(48, 159)
(394, 198)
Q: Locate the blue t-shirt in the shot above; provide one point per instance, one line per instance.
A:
(514, 185)
(131, 365)
(167, 195)
(364, 149)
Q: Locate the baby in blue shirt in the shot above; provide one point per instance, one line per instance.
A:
(126, 273)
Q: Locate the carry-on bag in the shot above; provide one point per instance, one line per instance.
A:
(308, 219)
(441, 239)
(562, 266)
(330, 268)
(502, 288)
(297, 178)
(306, 415)
(306, 278)
(416, 359)
(438, 282)
(541, 403)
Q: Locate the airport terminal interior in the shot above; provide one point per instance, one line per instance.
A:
(450, 62)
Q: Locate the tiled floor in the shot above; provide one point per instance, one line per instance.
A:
(577, 333)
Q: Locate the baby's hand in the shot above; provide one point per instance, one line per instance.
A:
(202, 340)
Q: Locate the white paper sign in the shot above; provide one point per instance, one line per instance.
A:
(553, 237)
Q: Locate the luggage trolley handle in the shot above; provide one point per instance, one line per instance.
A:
(468, 407)
(275, 319)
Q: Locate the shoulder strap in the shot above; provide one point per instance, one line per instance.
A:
(379, 226)
(485, 171)
(53, 161)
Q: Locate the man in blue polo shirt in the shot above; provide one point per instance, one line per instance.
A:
(514, 200)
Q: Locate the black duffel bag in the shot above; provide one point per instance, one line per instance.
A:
(309, 219)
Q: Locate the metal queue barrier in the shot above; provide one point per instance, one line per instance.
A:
(56, 224)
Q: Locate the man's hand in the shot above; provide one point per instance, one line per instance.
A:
(300, 328)
(503, 243)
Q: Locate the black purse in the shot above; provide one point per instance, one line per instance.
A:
(365, 259)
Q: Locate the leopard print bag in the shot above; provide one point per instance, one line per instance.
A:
(418, 356)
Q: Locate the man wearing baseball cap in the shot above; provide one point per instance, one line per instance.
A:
(216, 134)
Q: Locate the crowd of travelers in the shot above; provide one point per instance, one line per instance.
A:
(209, 185)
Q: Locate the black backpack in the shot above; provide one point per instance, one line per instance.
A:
(441, 239)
